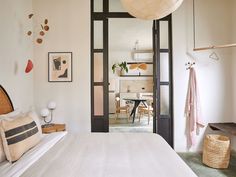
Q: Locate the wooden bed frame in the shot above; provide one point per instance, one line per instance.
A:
(6, 105)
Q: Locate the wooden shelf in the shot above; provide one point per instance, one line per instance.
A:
(227, 127)
(53, 128)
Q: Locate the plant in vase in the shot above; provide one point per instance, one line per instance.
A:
(121, 66)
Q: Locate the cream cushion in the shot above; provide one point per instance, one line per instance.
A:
(35, 117)
(18, 136)
(11, 115)
(2, 153)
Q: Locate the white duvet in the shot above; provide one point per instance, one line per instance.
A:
(16, 169)
(110, 155)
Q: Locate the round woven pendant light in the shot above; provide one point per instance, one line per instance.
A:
(151, 9)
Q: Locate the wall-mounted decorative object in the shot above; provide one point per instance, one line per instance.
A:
(139, 69)
(60, 66)
(39, 39)
(152, 9)
(41, 33)
(29, 66)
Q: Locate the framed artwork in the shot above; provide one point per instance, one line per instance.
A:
(59, 66)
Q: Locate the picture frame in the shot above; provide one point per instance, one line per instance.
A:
(60, 66)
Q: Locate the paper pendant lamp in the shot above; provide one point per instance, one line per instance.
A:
(29, 66)
(151, 9)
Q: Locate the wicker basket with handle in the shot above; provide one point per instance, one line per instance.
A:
(216, 151)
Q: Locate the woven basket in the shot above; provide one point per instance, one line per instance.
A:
(216, 151)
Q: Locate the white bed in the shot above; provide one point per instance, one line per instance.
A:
(110, 155)
(95, 155)
(16, 169)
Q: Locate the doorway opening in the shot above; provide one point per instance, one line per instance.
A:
(103, 13)
(130, 68)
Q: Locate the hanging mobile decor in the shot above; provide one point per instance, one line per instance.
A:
(42, 32)
(39, 40)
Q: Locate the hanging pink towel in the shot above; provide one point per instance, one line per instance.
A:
(193, 108)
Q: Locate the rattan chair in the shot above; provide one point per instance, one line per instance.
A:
(122, 109)
(146, 110)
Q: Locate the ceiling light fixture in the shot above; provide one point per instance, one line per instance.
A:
(151, 9)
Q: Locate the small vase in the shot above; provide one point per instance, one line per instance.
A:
(120, 72)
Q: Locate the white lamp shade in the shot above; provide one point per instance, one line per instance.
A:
(44, 112)
(52, 105)
(151, 9)
(117, 98)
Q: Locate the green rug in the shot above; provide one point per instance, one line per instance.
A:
(194, 161)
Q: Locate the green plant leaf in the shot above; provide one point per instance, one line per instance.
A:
(113, 68)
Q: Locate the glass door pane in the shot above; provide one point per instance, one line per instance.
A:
(164, 35)
(98, 34)
(164, 67)
(98, 6)
(98, 67)
(164, 100)
(98, 101)
(116, 6)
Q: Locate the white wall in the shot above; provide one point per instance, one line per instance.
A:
(214, 77)
(15, 49)
(69, 32)
(123, 34)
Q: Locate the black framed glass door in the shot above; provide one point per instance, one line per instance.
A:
(163, 79)
(99, 64)
(162, 68)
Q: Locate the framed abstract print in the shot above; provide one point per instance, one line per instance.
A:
(59, 66)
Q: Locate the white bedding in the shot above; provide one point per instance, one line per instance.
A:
(110, 155)
(16, 169)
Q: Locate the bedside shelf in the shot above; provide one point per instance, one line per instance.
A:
(227, 127)
(53, 128)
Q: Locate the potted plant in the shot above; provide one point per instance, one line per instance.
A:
(121, 66)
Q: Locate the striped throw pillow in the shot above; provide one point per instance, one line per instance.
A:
(19, 136)
(12, 115)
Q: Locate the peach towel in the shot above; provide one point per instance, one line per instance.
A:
(193, 108)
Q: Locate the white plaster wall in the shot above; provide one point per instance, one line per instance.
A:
(214, 77)
(69, 23)
(15, 50)
(123, 33)
(70, 31)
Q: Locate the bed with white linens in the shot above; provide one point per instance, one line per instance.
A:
(65, 154)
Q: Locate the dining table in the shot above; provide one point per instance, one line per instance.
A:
(136, 102)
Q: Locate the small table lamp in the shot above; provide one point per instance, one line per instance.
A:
(44, 113)
(52, 106)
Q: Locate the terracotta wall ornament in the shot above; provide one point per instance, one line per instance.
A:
(39, 39)
(42, 32)
(151, 9)
(29, 66)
